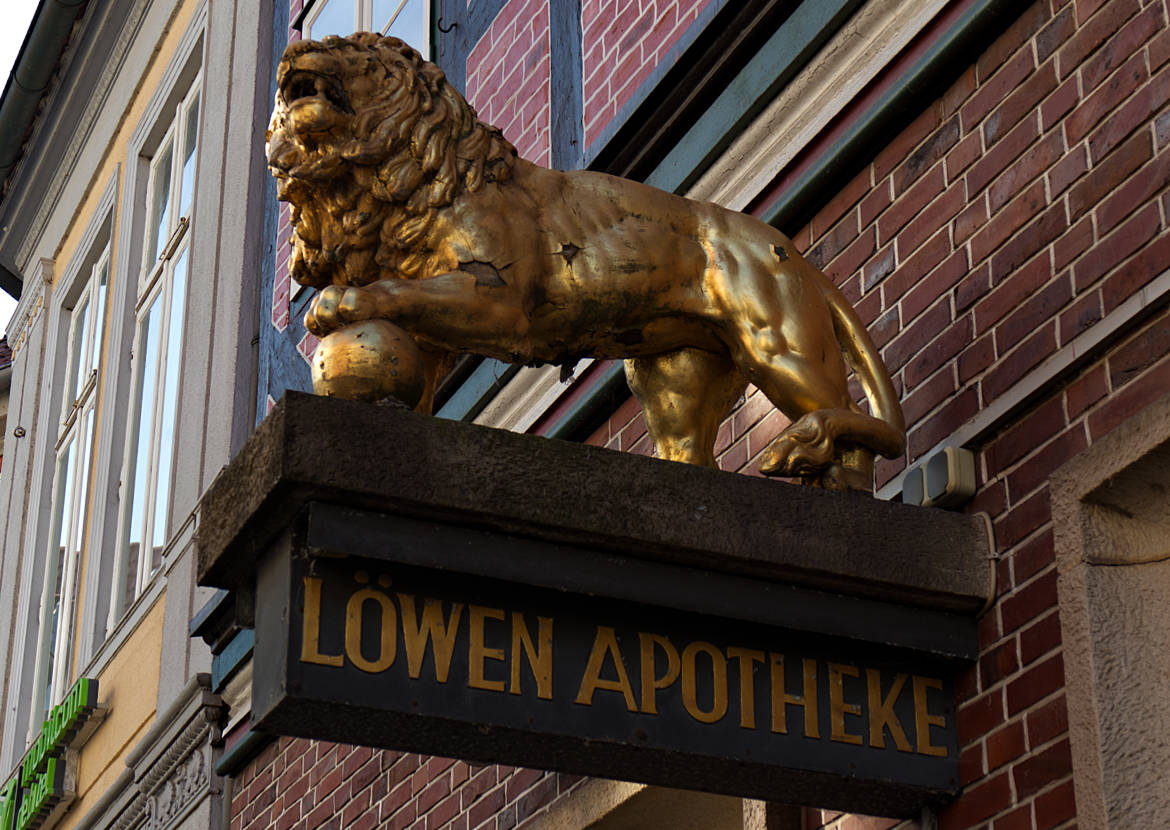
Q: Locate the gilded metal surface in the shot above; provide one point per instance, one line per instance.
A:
(369, 361)
(407, 208)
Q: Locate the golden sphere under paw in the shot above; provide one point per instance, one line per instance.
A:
(369, 361)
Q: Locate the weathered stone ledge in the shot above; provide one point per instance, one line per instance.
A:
(314, 449)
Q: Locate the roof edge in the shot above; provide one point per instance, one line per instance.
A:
(44, 43)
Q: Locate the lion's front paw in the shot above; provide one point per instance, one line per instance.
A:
(338, 306)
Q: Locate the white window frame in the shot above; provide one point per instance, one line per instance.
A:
(363, 20)
(116, 219)
(72, 476)
(162, 284)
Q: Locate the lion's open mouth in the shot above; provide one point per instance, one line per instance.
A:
(301, 87)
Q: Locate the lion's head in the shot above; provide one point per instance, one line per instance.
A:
(367, 141)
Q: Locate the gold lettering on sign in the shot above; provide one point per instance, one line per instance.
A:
(923, 720)
(388, 642)
(311, 631)
(442, 637)
(719, 682)
(525, 644)
(651, 682)
(539, 656)
(478, 652)
(881, 712)
(781, 699)
(747, 658)
(605, 642)
(838, 708)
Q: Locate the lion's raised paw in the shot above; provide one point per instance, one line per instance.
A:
(338, 306)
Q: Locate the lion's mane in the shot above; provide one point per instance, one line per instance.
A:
(410, 147)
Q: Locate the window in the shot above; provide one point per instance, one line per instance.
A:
(74, 454)
(159, 312)
(409, 20)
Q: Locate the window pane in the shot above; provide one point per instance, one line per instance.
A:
(99, 315)
(77, 362)
(83, 481)
(410, 25)
(54, 568)
(140, 460)
(160, 208)
(170, 395)
(61, 510)
(77, 470)
(335, 18)
(187, 187)
(383, 11)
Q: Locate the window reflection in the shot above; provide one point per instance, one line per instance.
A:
(170, 395)
(409, 22)
(140, 455)
(160, 203)
(77, 361)
(187, 184)
(335, 18)
(99, 317)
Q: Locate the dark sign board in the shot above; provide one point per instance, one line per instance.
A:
(366, 633)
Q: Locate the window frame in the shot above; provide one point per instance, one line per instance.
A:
(161, 284)
(68, 417)
(103, 632)
(71, 459)
(117, 221)
(363, 20)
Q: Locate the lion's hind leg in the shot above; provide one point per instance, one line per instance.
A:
(829, 443)
(685, 394)
(817, 449)
(798, 366)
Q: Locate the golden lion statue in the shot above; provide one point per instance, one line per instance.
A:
(407, 208)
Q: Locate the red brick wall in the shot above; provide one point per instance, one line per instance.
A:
(624, 40)
(988, 234)
(1011, 216)
(744, 434)
(508, 77)
(309, 784)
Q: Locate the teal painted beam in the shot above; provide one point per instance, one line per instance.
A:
(610, 382)
(234, 655)
(873, 129)
(792, 46)
(478, 390)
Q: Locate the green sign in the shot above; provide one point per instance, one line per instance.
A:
(39, 785)
(46, 792)
(8, 802)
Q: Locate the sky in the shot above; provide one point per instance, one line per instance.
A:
(14, 21)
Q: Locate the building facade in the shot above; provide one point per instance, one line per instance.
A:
(985, 181)
(111, 124)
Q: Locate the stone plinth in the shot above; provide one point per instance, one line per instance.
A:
(594, 612)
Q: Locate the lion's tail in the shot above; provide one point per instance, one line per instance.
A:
(862, 355)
